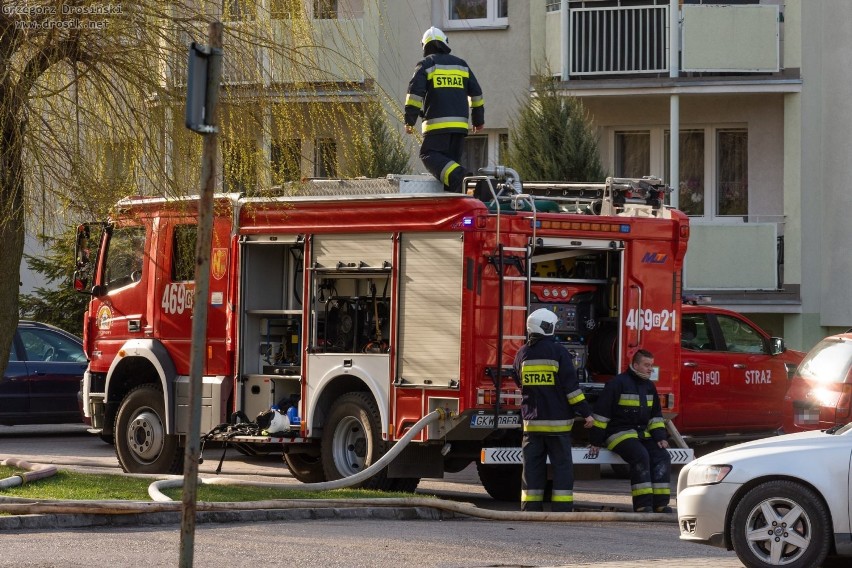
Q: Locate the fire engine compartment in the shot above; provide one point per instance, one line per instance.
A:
(583, 288)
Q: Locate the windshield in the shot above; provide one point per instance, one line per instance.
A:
(828, 362)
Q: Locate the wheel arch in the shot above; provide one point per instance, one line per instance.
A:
(743, 491)
(145, 361)
(330, 389)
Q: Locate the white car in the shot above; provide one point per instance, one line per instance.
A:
(782, 501)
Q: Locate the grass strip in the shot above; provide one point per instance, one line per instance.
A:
(68, 484)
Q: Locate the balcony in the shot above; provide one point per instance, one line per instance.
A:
(635, 40)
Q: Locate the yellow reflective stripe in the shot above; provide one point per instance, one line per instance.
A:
(616, 439)
(529, 495)
(562, 497)
(601, 425)
(448, 169)
(662, 491)
(548, 426)
(431, 127)
(644, 491)
(540, 365)
(476, 102)
(413, 100)
(629, 400)
(576, 399)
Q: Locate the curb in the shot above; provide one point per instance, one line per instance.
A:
(60, 521)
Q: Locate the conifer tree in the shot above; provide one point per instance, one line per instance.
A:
(553, 139)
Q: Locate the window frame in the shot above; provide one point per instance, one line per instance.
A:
(660, 163)
(491, 21)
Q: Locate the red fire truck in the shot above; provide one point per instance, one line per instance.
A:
(364, 305)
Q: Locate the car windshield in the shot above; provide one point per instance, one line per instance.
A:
(828, 362)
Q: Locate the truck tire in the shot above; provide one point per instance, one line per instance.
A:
(305, 467)
(352, 440)
(502, 482)
(141, 442)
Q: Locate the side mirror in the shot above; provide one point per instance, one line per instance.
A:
(776, 346)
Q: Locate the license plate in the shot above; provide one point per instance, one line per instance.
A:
(487, 421)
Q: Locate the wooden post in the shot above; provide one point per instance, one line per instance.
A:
(198, 353)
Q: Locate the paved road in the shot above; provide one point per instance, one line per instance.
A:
(460, 541)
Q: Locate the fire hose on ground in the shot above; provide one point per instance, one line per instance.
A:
(33, 473)
(163, 503)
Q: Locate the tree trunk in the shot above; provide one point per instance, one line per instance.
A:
(12, 221)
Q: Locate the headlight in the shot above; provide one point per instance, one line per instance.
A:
(707, 474)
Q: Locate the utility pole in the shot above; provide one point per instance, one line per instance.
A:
(207, 127)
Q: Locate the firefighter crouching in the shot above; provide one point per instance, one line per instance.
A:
(551, 398)
(628, 420)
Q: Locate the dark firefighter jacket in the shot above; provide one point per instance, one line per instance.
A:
(439, 92)
(628, 407)
(551, 394)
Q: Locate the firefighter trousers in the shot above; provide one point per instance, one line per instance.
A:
(650, 470)
(535, 449)
(441, 154)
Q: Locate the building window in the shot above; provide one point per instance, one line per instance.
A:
(285, 9)
(325, 158)
(691, 188)
(475, 154)
(632, 154)
(325, 9)
(713, 167)
(732, 168)
(286, 161)
(239, 166)
(240, 10)
(463, 14)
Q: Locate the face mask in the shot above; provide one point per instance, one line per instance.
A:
(645, 376)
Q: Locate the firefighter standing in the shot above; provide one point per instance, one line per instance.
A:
(629, 421)
(551, 398)
(443, 91)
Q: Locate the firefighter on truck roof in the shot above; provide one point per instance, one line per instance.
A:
(444, 92)
(551, 398)
(629, 421)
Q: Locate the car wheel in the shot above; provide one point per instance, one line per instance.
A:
(352, 440)
(781, 523)
(141, 442)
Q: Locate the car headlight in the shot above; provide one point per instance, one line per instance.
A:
(707, 474)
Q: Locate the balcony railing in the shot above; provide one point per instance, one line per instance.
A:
(607, 41)
(635, 40)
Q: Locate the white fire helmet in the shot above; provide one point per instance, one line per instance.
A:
(542, 321)
(433, 34)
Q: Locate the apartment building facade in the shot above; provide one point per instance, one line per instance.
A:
(756, 91)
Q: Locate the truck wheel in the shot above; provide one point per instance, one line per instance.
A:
(305, 468)
(405, 484)
(352, 440)
(781, 523)
(141, 442)
(502, 482)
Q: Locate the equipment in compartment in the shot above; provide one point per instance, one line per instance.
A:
(574, 305)
(279, 346)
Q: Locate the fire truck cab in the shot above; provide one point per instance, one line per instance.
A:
(361, 306)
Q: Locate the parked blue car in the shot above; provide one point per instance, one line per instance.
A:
(42, 380)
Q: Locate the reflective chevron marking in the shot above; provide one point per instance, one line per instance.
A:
(507, 456)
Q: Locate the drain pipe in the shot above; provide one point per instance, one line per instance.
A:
(35, 471)
(154, 490)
